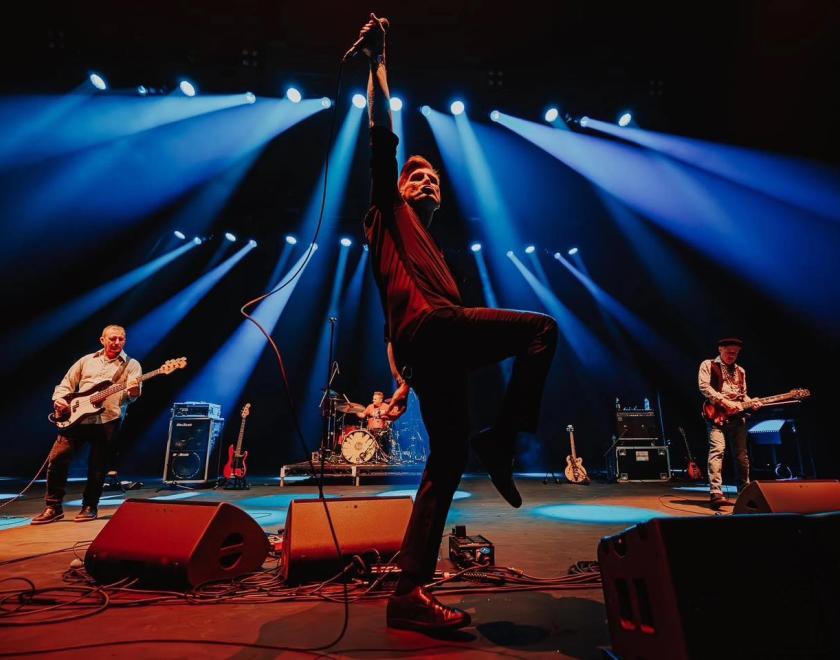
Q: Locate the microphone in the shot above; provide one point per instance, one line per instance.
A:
(360, 43)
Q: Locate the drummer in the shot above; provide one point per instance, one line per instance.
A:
(376, 413)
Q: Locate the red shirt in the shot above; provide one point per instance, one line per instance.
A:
(410, 271)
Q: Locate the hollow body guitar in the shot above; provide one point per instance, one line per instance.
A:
(574, 470)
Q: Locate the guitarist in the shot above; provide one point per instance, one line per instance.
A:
(109, 363)
(724, 382)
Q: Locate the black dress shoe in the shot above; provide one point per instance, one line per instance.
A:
(419, 610)
(48, 515)
(87, 513)
(496, 454)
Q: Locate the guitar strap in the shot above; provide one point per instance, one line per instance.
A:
(119, 372)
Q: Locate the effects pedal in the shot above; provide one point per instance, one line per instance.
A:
(470, 551)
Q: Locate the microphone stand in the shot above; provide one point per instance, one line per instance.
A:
(327, 404)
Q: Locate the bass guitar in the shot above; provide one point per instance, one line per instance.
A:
(235, 466)
(693, 470)
(85, 404)
(717, 414)
(574, 470)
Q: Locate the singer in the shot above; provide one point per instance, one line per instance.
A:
(436, 341)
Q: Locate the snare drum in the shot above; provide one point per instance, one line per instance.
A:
(358, 446)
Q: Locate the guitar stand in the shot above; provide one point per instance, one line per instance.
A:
(236, 483)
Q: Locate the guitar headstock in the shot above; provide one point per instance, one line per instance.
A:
(171, 365)
(246, 410)
(570, 428)
(800, 393)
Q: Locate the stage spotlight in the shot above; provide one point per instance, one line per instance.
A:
(509, 253)
(625, 119)
(325, 102)
(365, 247)
(187, 88)
(314, 247)
(557, 256)
(291, 240)
(573, 251)
(250, 98)
(359, 100)
(475, 247)
(396, 104)
(252, 243)
(584, 121)
(346, 242)
(494, 116)
(293, 95)
(425, 111)
(551, 115)
(98, 81)
(179, 234)
(197, 240)
(230, 237)
(530, 249)
(141, 90)
(457, 107)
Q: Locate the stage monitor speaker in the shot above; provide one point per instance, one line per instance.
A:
(364, 526)
(815, 496)
(724, 586)
(192, 451)
(176, 545)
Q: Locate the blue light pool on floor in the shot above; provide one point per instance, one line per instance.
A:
(411, 492)
(705, 489)
(9, 523)
(605, 514)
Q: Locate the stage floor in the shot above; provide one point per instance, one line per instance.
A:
(558, 525)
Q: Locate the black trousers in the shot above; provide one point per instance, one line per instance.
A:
(102, 439)
(448, 345)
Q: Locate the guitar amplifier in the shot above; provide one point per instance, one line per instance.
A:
(192, 451)
(196, 409)
(636, 425)
(642, 464)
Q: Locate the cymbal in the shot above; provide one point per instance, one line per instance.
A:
(350, 407)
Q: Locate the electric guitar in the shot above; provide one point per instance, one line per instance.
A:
(717, 414)
(85, 404)
(574, 470)
(693, 470)
(235, 466)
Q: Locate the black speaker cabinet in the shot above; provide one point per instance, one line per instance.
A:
(192, 451)
(176, 544)
(724, 587)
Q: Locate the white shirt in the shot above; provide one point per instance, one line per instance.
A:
(91, 369)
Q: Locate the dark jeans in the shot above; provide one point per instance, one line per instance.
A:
(447, 346)
(101, 438)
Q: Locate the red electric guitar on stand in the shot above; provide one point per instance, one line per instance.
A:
(693, 471)
(235, 468)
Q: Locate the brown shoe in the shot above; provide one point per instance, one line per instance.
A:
(87, 513)
(419, 610)
(717, 500)
(48, 515)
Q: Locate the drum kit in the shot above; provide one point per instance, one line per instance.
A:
(354, 440)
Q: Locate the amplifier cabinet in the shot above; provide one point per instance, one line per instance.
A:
(642, 464)
(192, 451)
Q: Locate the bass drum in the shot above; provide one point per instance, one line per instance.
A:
(358, 446)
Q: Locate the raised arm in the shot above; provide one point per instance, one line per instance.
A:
(379, 98)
